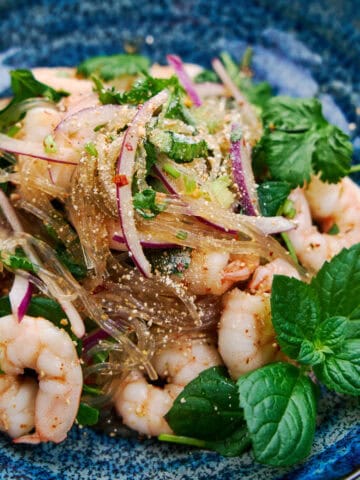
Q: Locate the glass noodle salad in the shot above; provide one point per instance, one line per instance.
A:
(180, 257)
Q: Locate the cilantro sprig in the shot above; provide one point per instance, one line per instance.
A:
(298, 142)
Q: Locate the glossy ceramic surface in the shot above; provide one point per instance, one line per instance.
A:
(303, 49)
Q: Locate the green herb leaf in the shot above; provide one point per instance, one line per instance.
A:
(295, 313)
(207, 408)
(298, 142)
(25, 86)
(319, 324)
(87, 415)
(173, 261)
(151, 156)
(18, 260)
(91, 149)
(145, 203)
(206, 76)
(145, 88)
(231, 446)
(112, 66)
(77, 270)
(338, 285)
(257, 94)
(272, 196)
(280, 410)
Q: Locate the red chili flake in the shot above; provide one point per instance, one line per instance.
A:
(120, 180)
(129, 147)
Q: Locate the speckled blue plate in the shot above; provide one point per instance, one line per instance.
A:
(304, 48)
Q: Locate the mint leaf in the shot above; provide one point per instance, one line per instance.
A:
(338, 284)
(112, 66)
(308, 354)
(341, 370)
(298, 142)
(280, 410)
(87, 415)
(145, 203)
(232, 446)
(332, 331)
(272, 196)
(295, 313)
(207, 408)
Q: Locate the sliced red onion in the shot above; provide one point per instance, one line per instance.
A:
(23, 147)
(242, 172)
(145, 243)
(77, 129)
(125, 166)
(177, 64)
(20, 296)
(247, 108)
(93, 338)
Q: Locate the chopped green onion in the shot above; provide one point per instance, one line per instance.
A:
(171, 170)
(181, 235)
(12, 131)
(288, 209)
(190, 184)
(290, 247)
(92, 390)
(334, 230)
(99, 127)
(91, 149)
(49, 144)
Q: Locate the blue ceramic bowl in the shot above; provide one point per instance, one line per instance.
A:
(303, 48)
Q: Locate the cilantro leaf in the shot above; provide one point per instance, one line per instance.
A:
(145, 88)
(145, 203)
(272, 196)
(112, 66)
(298, 142)
(24, 86)
(87, 415)
(17, 260)
(280, 409)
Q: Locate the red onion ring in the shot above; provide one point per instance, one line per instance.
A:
(176, 63)
(125, 166)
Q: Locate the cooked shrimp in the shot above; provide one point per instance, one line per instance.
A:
(37, 344)
(17, 405)
(246, 335)
(215, 272)
(262, 278)
(142, 406)
(328, 205)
